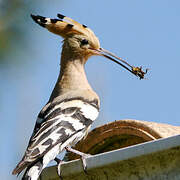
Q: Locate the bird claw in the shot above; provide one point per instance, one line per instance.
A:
(59, 163)
(83, 157)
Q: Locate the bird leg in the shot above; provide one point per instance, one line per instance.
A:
(59, 163)
(83, 156)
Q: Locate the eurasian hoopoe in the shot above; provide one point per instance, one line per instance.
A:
(73, 105)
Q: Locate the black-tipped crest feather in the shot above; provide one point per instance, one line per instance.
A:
(39, 19)
(60, 16)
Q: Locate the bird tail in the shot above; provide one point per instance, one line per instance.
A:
(33, 171)
(20, 167)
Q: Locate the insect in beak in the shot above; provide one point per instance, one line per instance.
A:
(137, 71)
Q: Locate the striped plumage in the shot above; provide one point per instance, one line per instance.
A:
(73, 105)
(60, 123)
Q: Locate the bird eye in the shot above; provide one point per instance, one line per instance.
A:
(84, 42)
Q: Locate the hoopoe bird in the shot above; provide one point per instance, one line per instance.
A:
(73, 105)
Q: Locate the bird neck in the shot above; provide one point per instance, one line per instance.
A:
(72, 76)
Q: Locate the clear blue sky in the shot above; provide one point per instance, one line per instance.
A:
(143, 32)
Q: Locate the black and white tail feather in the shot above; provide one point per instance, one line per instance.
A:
(58, 125)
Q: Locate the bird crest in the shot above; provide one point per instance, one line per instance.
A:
(63, 26)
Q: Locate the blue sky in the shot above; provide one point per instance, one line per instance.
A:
(143, 32)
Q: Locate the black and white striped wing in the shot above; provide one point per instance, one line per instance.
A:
(63, 123)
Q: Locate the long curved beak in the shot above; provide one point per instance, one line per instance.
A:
(137, 71)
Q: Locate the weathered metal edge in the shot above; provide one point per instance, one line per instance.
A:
(104, 159)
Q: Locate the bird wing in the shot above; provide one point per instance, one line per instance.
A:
(58, 123)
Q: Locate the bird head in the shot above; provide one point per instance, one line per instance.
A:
(79, 40)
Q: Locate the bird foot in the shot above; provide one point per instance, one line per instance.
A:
(59, 163)
(83, 156)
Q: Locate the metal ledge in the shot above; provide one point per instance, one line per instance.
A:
(158, 159)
